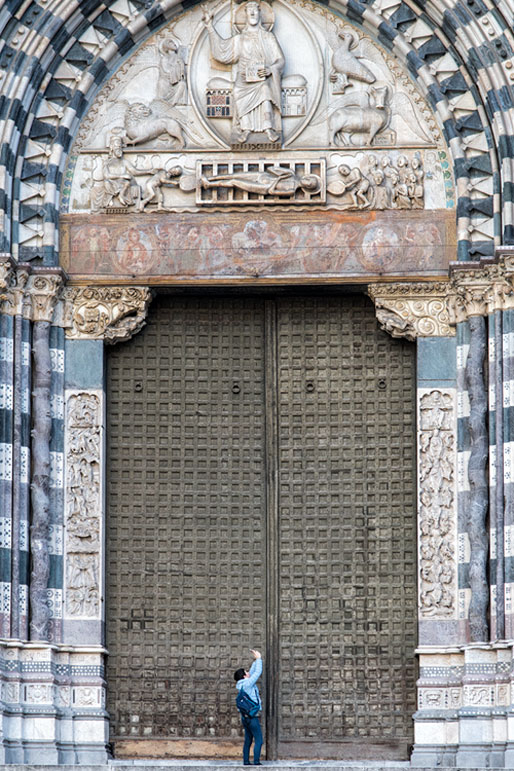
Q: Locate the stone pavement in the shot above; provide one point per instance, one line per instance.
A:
(214, 765)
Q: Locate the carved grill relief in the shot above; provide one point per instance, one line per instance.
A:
(347, 524)
(186, 517)
(437, 537)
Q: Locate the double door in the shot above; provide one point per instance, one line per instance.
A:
(261, 493)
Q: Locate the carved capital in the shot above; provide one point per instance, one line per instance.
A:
(43, 290)
(105, 313)
(413, 310)
(477, 292)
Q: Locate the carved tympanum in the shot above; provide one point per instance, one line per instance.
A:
(289, 80)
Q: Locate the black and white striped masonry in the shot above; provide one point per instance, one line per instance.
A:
(55, 55)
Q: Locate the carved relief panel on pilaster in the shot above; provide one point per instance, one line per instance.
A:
(83, 503)
(437, 515)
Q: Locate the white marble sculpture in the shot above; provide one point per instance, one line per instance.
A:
(288, 83)
(259, 63)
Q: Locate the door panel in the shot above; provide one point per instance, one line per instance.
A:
(261, 492)
(347, 625)
(186, 527)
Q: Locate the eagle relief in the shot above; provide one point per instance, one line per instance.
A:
(274, 103)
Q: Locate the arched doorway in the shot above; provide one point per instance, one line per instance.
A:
(262, 493)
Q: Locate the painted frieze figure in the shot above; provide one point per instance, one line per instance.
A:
(259, 62)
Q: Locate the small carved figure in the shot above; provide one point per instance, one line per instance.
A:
(260, 61)
(417, 190)
(401, 198)
(346, 64)
(364, 112)
(171, 85)
(353, 182)
(381, 192)
(153, 187)
(142, 124)
(276, 180)
(119, 176)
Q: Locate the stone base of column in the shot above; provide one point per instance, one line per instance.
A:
(53, 707)
(466, 710)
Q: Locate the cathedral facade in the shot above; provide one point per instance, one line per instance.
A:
(256, 297)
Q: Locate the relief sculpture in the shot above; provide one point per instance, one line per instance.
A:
(259, 63)
(172, 84)
(346, 64)
(381, 183)
(250, 104)
(267, 183)
(437, 505)
(83, 505)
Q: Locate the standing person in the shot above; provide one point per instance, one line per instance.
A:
(247, 681)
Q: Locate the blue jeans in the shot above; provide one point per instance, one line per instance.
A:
(253, 732)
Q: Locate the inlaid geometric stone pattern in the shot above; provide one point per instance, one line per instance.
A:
(186, 555)
(347, 524)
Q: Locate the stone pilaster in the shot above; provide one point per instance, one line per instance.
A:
(54, 691)
(44, 291)
(465, 509)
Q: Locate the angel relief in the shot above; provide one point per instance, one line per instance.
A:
(258, 102)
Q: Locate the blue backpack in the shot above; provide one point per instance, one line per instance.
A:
(246, 706)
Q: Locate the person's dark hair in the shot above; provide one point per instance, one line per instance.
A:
(239, 674)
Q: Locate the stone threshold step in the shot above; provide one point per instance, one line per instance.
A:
(185, 765)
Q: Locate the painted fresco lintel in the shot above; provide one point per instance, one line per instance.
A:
(272, 246)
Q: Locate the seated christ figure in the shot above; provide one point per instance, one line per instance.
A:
(257, 85)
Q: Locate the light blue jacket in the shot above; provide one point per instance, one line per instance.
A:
(249, 683)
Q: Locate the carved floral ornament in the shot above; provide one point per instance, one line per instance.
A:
(426, 309)
(108, 313)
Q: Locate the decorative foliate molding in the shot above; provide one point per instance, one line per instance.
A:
(479, 291)
(105, 313)
(44, 291)
(413, 310)
(31, 292)
(426, 309)
(6, 272)
(83, 504)
(437, 504)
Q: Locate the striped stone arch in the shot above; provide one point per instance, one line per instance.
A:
(56, 54)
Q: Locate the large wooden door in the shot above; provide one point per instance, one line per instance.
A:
(261, 493)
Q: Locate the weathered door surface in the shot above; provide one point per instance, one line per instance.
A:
(261, 493)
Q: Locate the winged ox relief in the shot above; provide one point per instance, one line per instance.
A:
(259, 94)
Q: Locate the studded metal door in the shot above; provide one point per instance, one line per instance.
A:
(186, 526)
(261, 492)
(347, 596)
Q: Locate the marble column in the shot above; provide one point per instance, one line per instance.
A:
(465, 517)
